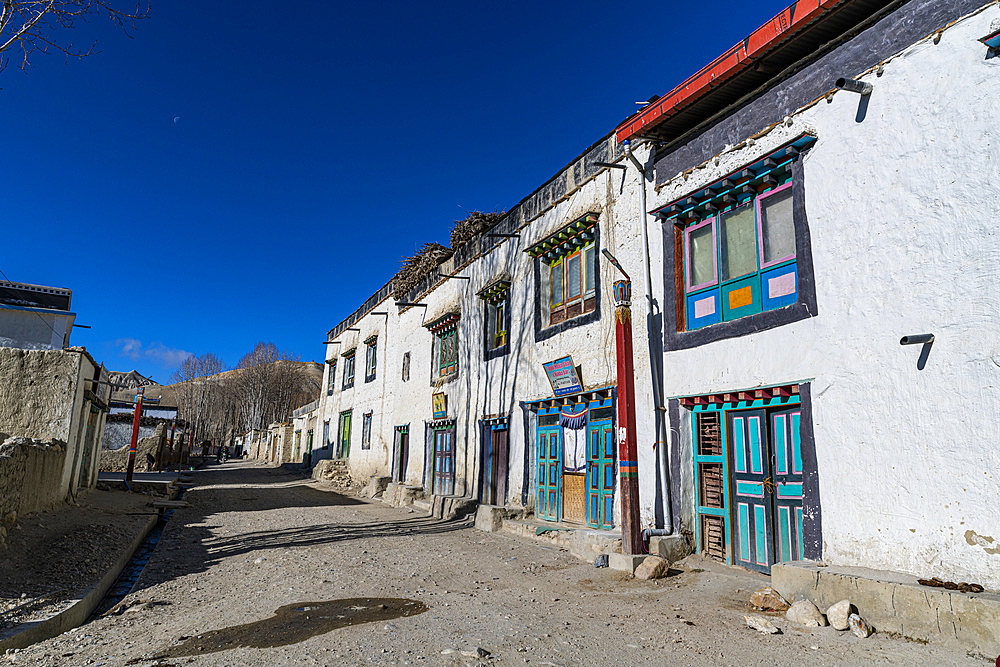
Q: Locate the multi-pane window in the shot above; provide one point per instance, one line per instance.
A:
(331, 378)
(496, 297)
(371, 357)
(448, 352)
(444, 353)
(568, 271)
(349, 369)
(406, 367)
(572, 284)
(366, 431)
(739, 247)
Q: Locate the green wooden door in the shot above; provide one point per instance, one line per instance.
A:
(345, 434)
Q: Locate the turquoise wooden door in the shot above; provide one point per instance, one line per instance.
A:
(753, 492)
(787, 449)
(444, 463)
(549, 505)
(601, 475)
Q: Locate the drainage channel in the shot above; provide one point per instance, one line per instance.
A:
(126, 580)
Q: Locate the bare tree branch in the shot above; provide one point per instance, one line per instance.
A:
(32, 25)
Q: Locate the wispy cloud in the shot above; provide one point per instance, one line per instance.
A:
(168, 357)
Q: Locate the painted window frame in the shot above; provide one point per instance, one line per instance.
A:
(544, 327)
(331, 380)
(760, 226)
(714, 222)
(496, 314)
(349, 362)
(678, 337)
(446, 367)
(559, 311)
(371, 359)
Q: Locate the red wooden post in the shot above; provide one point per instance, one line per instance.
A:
(135, 434)
(628, 456)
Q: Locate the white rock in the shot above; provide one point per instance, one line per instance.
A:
(859, 626)
(805, 613)
(761, 624)
(837, 614)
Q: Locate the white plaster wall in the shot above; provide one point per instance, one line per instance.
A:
(902, 210)
(496, 387)
(34, 330)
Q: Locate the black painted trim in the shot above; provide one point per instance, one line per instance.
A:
(580, 320)
(812, 518)
(804, 308)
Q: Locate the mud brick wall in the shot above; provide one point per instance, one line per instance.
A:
(30, 475)
(37, 391)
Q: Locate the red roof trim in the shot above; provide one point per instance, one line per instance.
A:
(788, 22)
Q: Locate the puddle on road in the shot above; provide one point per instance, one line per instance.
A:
(297, 622)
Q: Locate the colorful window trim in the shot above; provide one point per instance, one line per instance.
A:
(570, 256)
(742, 267)
(445, 330)
(496, 296)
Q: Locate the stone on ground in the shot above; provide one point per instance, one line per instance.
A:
(859, 626)
(768, 599)
(761, 624)
(652, 567)
(805, 613)
(837, 615)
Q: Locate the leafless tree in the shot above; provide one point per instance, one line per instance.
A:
(34, 25)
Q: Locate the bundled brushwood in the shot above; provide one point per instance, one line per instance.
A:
(474, 225)
(416, 268)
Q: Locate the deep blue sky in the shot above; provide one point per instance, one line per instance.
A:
(314, 147)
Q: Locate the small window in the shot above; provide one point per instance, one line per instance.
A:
(448, 352)
(326, 434)
(349, 370)
(371, 358)
(590, 270)
(548, 420)
(496, 297)
(556, 290)
(777, 235)
(572, 285)
(406, 367)
(366, 431)
(331, 378)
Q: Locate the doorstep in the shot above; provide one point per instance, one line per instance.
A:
(895, 602)
(582, 542)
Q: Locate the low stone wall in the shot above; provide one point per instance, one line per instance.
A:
(30, 475)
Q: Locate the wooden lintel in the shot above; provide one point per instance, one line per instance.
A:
(745, 396)
(795, 390)
(716, 398)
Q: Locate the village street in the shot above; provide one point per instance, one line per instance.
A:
(256, 539)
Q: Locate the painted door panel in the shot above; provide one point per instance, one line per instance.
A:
(752, 490)
(345, 434)
(494, 488)
(549, 480)
(600, 476)
(787, 448)
(444, 463)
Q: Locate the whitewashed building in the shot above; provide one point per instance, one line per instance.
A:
(818, 194)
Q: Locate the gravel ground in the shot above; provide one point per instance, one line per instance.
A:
(268, 568)
(61, 553)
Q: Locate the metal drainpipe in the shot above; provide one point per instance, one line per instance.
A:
(654, 357)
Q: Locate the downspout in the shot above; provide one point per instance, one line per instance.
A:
(654, 357)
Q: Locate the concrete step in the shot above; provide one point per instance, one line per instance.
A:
(422, 505)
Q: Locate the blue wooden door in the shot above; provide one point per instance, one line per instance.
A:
(549, 505)
(787, 450)
(753, 492)
(601, 476)
(444, 463)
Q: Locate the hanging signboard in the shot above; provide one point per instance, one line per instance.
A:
(440, 405)
(563, 376)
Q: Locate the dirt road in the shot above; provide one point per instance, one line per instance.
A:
(264, 568)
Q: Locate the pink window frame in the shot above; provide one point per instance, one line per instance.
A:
(760, 227)
(715, 255)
